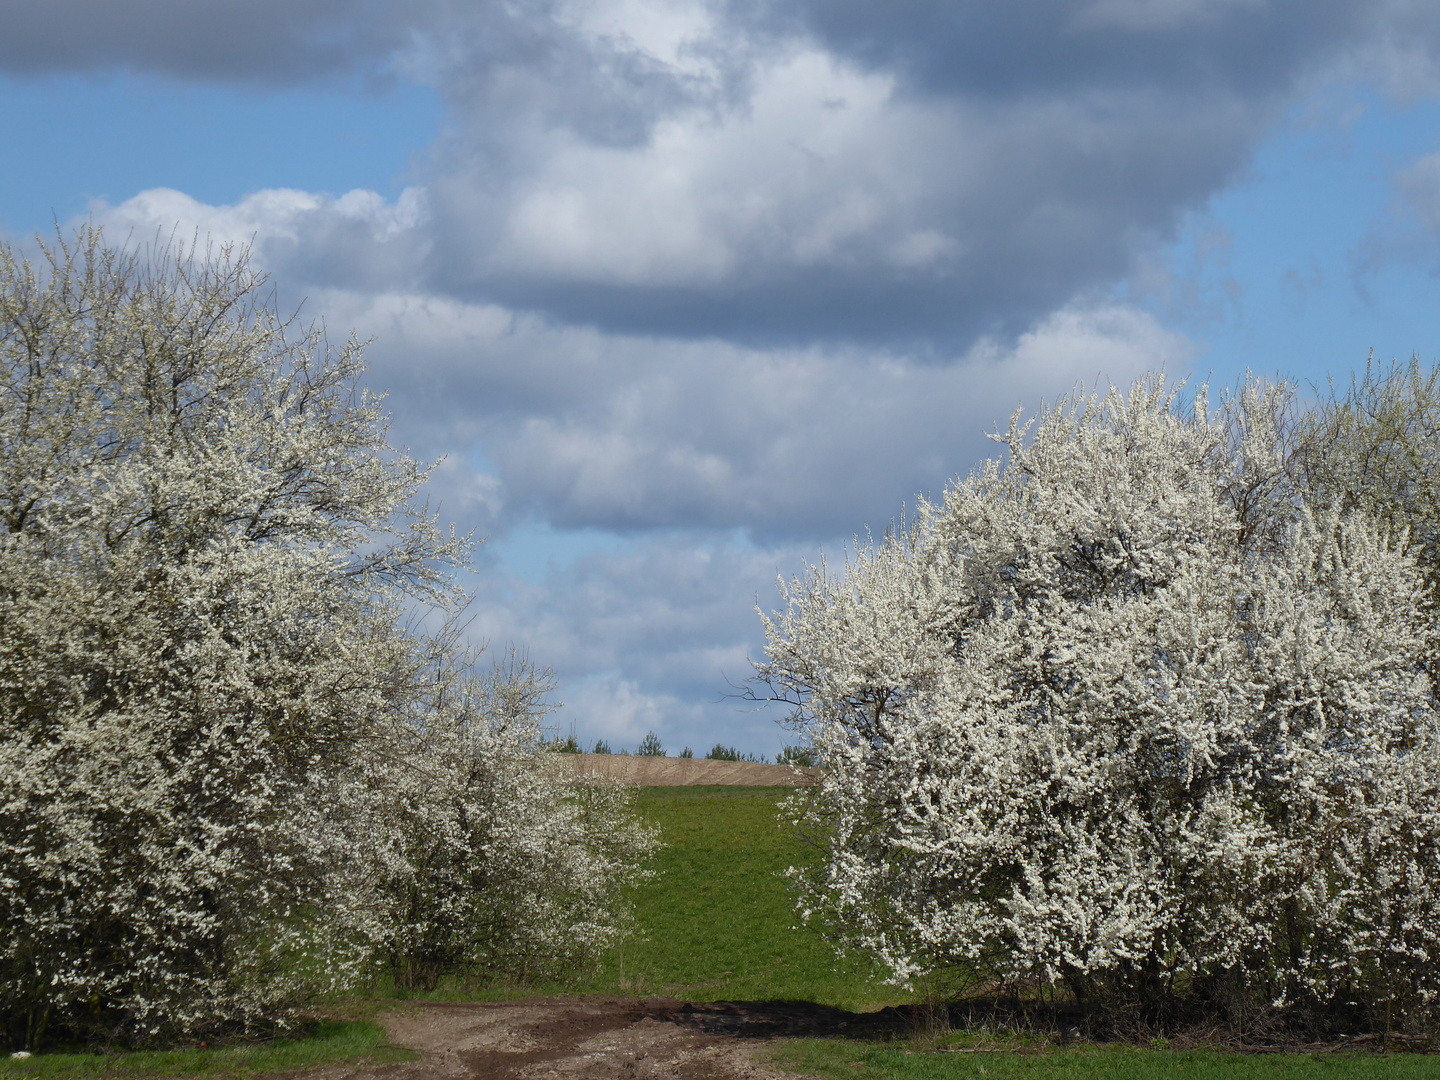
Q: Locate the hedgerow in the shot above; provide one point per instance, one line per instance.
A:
(232, 774)
(1134, 715)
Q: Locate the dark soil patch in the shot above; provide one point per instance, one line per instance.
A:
(599, 1038)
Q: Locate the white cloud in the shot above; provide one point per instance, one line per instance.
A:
(270, 215)
(696, 453)
(358, 240)
(710, 194)
(614, 708)
(825, 201)
(704, 286)
(651, 635)
(791, 170)
(586, 428)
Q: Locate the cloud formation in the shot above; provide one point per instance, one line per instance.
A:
(831, 206)
(631, 434)
(260, 42)
(721, 463)
(731, 279)
(919, 174)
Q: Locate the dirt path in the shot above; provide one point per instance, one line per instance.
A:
(600, 1038)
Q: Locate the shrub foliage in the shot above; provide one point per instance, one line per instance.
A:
(230, 777)
(1133, 714)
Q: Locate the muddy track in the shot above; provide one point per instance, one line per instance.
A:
(605, 1038)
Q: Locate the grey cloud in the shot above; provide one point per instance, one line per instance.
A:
(964, 225)
(539, 66)
(1041, 47)
(769, 272)
(916, 174)
(719, 466)
(246, 40)
(628, 434)
(937, 172)
(632, 434)
(508, 58)
(680, 600)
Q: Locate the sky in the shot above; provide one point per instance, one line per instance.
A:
(689, 293)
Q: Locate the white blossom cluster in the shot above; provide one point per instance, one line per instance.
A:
(230, 776)
(502, 867)
(1127, 713)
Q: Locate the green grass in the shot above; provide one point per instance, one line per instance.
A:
(332, 1040)
(718, 922)
(835, 1058)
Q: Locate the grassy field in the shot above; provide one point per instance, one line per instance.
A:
(860, 1061)
(717, 920)
(334, 1040)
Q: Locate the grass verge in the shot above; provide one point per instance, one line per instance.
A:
(717, 920)
(838, 1058)
(330, 1041)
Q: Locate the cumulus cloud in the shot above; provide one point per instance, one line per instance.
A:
(830, 206)
(628, 432)
(919, 174)
(722, 462)
(770, 459)
(727, 280)
(591, 430)
(357, 240)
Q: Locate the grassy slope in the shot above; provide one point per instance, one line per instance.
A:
(718, 921)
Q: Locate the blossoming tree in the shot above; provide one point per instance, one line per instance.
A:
(218, 741)
(1128, 714)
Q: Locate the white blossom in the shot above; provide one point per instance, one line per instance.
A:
(1127, 713)
(224, 759)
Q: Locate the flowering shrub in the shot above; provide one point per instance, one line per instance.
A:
(1127, 714)
(1376, 447)
(211, 714)
(505, 869)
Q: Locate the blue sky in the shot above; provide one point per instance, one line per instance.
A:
(108, 135)
(1312, 258)
(688, 291)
